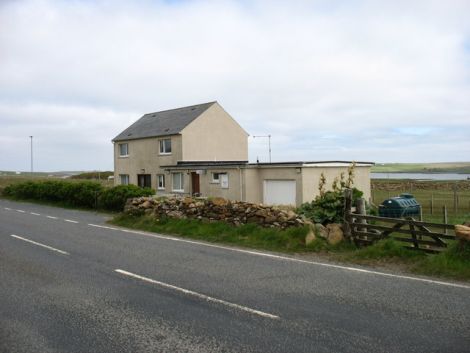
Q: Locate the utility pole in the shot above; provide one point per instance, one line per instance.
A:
(269, 143)
(31, 137)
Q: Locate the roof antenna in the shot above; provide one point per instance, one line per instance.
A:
(269, 143)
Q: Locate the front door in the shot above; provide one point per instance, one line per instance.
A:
(144, 180)
(195, 186)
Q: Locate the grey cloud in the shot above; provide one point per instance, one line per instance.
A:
(81, 71)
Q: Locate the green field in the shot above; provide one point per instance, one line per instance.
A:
(432, 195)
(449, 167)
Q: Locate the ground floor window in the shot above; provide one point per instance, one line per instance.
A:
(161, 182)
(124, 178)
(178, 184)
(144, 180)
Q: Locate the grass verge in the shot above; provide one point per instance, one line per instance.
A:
(453, 263)
(248, 235)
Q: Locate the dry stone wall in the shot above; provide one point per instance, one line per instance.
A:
(217, 209)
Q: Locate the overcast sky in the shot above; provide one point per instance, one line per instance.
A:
(383, 81)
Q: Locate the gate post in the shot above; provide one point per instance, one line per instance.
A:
(361, 209)
(347, 213)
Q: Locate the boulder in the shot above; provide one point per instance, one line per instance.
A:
(219, 201)
(462, 232)
(187, 201)
(261, 212)
(335, 233)
(321, 230)
(291, 215)
(310, 237)
(146, 204)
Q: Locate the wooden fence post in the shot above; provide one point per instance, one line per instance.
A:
(444, 211)
(455, 198)
(432, 204)
(347, 213)
(361, 209)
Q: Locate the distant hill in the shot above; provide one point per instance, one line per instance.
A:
(448, 167)
(58, 174)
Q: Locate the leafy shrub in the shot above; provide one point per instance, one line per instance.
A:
(327, 208)
(79, 194)
(115, 198)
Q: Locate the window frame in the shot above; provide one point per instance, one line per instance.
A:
(126, 176)
(120, 149)
(181, 182)
(162, 176)
(162, 147)
(214, 180)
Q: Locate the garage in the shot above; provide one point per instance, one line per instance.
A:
(279, 192)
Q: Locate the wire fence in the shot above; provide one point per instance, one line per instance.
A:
(440, 201)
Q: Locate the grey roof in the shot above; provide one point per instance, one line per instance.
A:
(164, 123)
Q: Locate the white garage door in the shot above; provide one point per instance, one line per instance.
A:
(279, 192)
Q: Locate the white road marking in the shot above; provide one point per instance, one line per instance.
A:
(35, 214)
(39, 244)
(21, 211)
(51, 217)
(285, 258)
(105, 227)
(199, 295)
(6, 208)
(70, 221)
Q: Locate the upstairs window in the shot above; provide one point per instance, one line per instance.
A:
(165, 146)
(123, 150)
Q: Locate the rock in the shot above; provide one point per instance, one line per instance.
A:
(187, 201)
(176, 214)
(146, 205)
(291, 215)
(462, 232)
(321, 230)
(219, 201)
(270, 219)
(335, 233)
(261, 213)
(310, 237)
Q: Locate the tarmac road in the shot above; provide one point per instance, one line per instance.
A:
(71, 283)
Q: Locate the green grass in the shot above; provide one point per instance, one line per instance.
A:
(450, 167)
(248, 235)
(451, 263)
(441, 194)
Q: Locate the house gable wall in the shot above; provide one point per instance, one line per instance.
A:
(214, 136)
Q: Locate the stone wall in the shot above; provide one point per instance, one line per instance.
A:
(217, 209)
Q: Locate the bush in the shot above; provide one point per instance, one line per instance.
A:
(80, 194)
(115, 198)
(328, 207)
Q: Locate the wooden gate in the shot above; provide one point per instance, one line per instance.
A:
(417, 235)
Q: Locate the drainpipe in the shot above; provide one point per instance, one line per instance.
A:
(241, 183)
